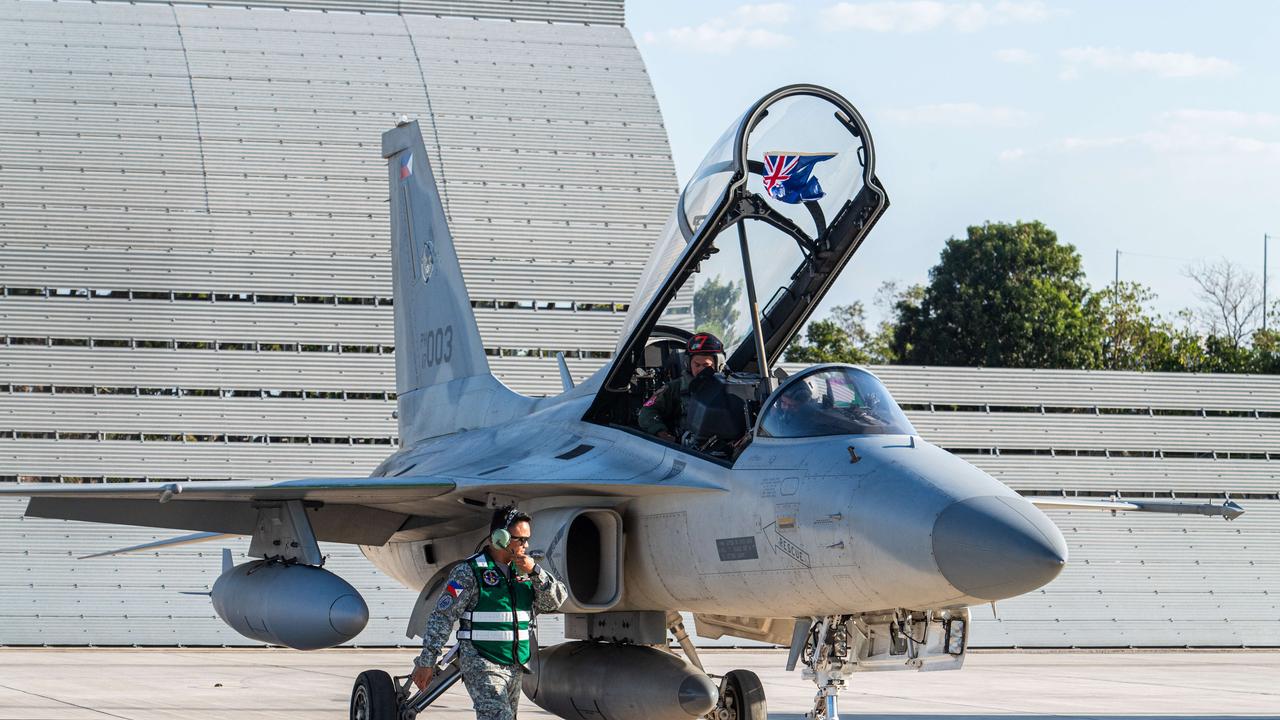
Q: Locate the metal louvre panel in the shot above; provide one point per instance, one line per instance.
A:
(279, 322)
(186, 268)
(1099, 432)
(1152, 580)
(1111, 474)
(162, 368)
(236, 416)
(590, 11)
(560, 11)
(1077, 388)
(183, 268)
(294, 142)
(196, 460)
(238, 322)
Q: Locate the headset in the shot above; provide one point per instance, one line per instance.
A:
(501, 537)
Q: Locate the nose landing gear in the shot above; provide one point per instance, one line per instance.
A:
(825, 654)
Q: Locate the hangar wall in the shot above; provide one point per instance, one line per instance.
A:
(195, 286)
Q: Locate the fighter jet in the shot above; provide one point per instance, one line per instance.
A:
(802, 510)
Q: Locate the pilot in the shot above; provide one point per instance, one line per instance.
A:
(795, 412)
(493, 595)
(663, 414)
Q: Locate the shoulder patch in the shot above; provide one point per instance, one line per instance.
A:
(654, 400)
(446, 600)
(454, 588)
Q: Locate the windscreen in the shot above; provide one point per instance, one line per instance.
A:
(833, 401)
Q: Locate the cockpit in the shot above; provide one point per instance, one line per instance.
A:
(833, 400)
(770, 217)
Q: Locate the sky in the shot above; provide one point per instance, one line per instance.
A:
(1149, 128)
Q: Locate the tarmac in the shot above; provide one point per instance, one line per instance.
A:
(271, 684)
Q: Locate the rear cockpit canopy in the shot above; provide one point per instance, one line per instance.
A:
(832, 400)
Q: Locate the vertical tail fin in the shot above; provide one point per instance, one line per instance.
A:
(437, 339)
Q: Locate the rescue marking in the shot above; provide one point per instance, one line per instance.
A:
(792, 550)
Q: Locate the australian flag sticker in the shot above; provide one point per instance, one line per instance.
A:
(788, 176)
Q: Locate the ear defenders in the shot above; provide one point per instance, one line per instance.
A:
(502, 536)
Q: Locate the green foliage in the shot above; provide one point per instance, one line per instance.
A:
(1004, 296)
(828, 341)
(715, 309)
(1011, 295)
(1133, 338)
(844, 336)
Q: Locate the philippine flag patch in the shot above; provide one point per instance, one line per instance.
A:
(406, 166)
(454, 588)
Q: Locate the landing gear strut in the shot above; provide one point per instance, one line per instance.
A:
(741, 692)
(826, 651)
(376, 696)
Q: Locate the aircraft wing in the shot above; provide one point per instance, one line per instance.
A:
(365, 511)
(1228, 509)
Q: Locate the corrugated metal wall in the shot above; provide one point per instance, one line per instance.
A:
(193, 252)
(1132, 579)
(193, 255)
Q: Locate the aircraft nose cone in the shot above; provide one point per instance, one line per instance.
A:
(997, 547)
(348, 615)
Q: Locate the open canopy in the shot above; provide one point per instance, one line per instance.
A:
(779, 205)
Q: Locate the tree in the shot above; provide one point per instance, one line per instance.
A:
(715, 309)
(840, 338)
(844, 336)
(1135, 339)
(1006, 295)
(1230, 300)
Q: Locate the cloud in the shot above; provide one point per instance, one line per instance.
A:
(1222, 119)
(1187, 134)
(1073, 144)
(1012, 155)
(763, 14)
(1161, 64)
(960, 115)
(723, 35)
(911, 16)
(1015, 56)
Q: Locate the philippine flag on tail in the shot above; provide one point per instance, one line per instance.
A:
(406, 166)
(789, 176)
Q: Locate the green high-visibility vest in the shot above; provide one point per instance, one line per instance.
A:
(498, 627)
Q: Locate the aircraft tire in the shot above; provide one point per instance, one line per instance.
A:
(374, 697)
(743, 696)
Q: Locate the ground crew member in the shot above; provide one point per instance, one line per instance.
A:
(663, 414)
(493, 595)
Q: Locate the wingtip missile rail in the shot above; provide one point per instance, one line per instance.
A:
(1229, 509)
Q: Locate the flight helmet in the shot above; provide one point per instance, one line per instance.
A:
(704, 344)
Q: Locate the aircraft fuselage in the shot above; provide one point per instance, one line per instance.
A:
(808, 526)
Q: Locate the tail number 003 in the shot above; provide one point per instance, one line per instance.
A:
(436, 346)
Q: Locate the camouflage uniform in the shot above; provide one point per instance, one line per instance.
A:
(665, 410)
(494, 688)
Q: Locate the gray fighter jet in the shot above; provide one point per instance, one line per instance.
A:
(801, 510)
